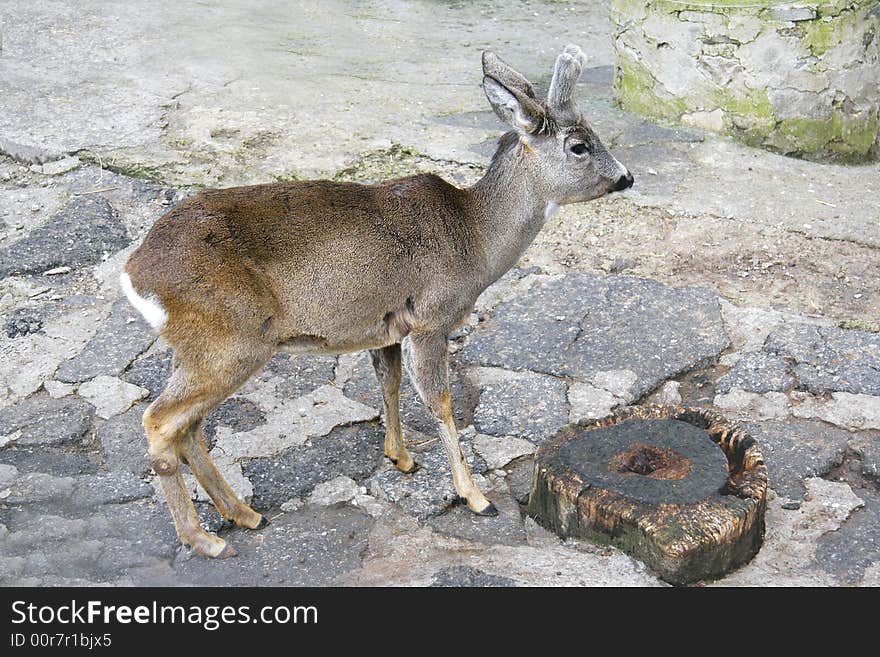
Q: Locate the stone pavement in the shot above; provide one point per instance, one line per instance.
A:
(762, 304)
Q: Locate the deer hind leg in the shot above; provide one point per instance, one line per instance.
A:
(173, 423)
(427, 365)
(386, 362)
(195, 454)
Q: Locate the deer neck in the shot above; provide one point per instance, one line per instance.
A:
(509, 206)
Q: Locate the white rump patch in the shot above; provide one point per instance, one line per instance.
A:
(150, 308)
(550, 210)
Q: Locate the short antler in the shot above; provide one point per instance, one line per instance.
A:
(565, 77)
(495, 67)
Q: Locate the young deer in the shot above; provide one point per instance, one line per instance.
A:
(232, 276)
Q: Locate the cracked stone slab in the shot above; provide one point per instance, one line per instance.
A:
(797, 449)
(151, 372)
(589, 402)
(290, 423)
(83, 232)
(110, 396)
(498, 451)
(752, 405)
(788, 556)
(363, 387)
(506, 528)
(843, 409)
(757, 372)
(338, 490)
(353, 451)
(79, 493)
(429, 491)
(402, 553)
(581, 325)
(851, 550)
(124, 443)
(119, 340)
(829, 359)
(469, 577)
(295, 376)
(314, 546)
(42, 420)
(520, 404)
(59, 462)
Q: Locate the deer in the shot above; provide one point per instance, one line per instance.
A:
(230, 277)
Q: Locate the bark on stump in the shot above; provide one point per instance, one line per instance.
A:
(681, 489)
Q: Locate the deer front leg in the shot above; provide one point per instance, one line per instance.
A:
(386, 362)
(429, 370)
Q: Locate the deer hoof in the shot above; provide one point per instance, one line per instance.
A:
(489, 510)
(227, 552)
(264, 522)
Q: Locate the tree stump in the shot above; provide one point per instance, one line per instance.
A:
(681, 489)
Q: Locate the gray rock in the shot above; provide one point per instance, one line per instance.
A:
(310, 547)
(797, 449)
(123, 442)
(43, 458)
(336, 491)
(829, 359)
(849, 551)
(523, 405)
(23, 321)
(298, 375)
(119, 340)
(429, 491)
(647, 133)
(581, 325)
(519, 478)
(82, 233)
(505, 529)
(757, 372)
(468, 576)
(354, 451)
(110, 396)
(237, 413)
(363, 387)
(110, 488)
(150, 372)
(46, 421)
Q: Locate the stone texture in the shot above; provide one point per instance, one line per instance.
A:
(505, 529)
(757, 372)
(428, 491)
(110, 396)
(363, 386)
(851, 550)
(151, 372)
(119, 340)
(582, 325)
(353, 451)
(520, 404)
(789, 554)
(498, 451)
(829, 359)
(85, 230)
(124, 443)
(751, 405)
(295, 550)
(466, 576)
(46, 421)
(56, 389)
(843, 409)
(336, 491)
(291, 422)
(795, 450)
(587, 401)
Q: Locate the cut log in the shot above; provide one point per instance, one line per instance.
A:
(681, 489)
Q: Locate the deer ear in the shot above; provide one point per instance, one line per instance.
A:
(513, 107)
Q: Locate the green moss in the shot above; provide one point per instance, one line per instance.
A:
(634, 86)
(846, 136)
(288, 176)
(824, 34)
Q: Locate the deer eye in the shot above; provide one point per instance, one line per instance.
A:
(580, 149)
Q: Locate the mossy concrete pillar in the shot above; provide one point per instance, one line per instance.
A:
(800, 78)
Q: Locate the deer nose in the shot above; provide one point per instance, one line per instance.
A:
(624, 182)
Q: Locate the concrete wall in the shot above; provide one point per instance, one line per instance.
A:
(800, 78)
